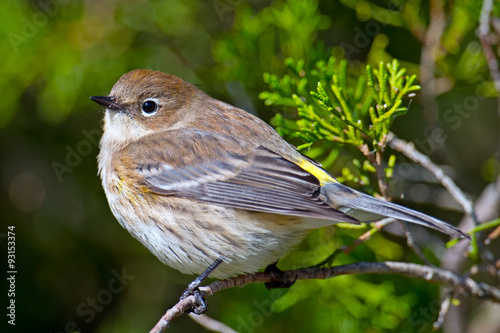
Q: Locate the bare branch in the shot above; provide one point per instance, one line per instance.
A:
(177, 310)
(211, 324)
(493, 235)
(375, 159)
(377, 226)
(445, 306)
(413, 245)
(459, 284)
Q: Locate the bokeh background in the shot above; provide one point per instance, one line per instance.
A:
(79, 270)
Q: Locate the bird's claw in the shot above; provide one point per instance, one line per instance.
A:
(280, 280)
(200, 303)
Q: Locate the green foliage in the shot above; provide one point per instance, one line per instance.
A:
(346, 109)
(259, 41)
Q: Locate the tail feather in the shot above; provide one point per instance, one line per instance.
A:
(366, 208)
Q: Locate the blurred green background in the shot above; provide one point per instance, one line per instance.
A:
(79, 270)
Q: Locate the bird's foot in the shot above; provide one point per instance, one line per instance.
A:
(200, 305)
(280, 280)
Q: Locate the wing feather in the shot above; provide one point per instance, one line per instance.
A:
(257, 180)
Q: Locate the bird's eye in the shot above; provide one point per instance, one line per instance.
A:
(149, 107)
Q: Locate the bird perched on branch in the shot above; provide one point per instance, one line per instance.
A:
(199, 181)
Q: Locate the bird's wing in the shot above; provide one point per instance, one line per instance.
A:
(238, 176)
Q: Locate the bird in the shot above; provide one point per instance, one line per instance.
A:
(199, 181)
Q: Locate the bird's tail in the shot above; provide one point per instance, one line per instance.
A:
(366, 208)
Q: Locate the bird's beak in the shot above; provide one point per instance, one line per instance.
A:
(108, 102)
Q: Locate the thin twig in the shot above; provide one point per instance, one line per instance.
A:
(413, 245)
(346, 249)
(377, 226)
(176, 311)
(376, 160)
(445, 306)
(211, 324)
(459, 284)
(492, 235)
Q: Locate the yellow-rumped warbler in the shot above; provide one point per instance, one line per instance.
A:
(195, 180)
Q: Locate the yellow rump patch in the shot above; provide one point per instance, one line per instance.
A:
(316, 171)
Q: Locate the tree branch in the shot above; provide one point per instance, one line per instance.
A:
(459, 284)
(346, 249)
(375, 158)
(413, 245)
(445, 306)
(211, 324)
